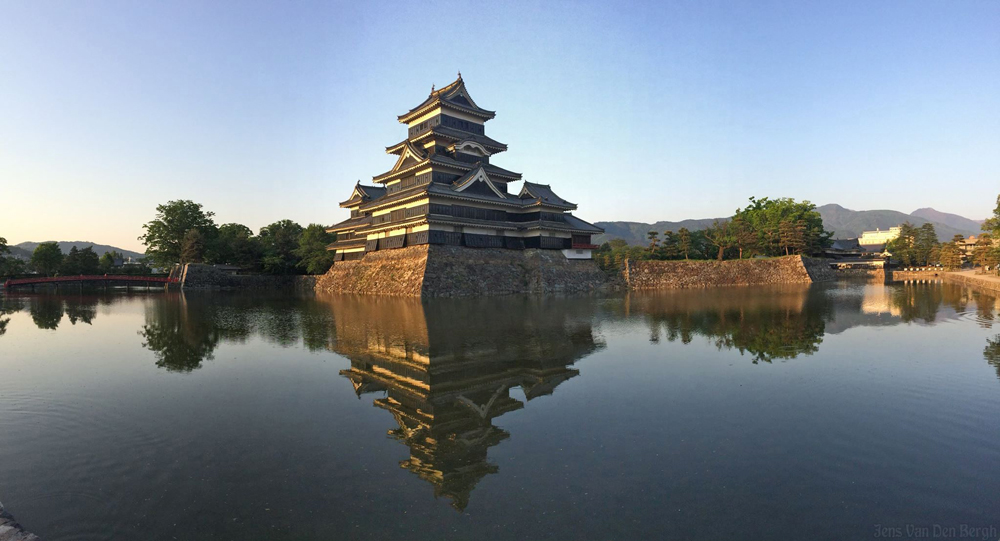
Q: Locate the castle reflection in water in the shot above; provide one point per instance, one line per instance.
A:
(445, 371)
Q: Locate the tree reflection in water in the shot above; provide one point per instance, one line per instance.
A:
(184, 329)
(181, 338)
(992, 353)
(46, 311)
(8, 305)
(779, 322)
(81, 309)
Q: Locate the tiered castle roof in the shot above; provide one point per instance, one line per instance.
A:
(446, 160)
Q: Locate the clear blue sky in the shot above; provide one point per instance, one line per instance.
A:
(643, 112)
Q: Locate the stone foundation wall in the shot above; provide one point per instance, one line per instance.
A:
(398, 273)
(987, 282)
(642, 275)
(10, 530)
(455, 271)
(198, 276)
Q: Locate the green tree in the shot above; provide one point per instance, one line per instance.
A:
(743, 236)
(193, 247)
(47, 258)
(654, 241)
(959, 242)
(87, 261)
(278, 242)
(765, 216)
(992, 224)
(107, 263)
(684, 242)
(70, 265)
(312, 253)
(720, 234)
(981, 252)
(993, 259)
(670, 247)
(951, 255)
(165, 234)
(924, 243)
(903, 246)
(9, 265)
(800, 244)
(786, 235)
(235, 245)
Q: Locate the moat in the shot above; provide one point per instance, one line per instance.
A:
(785, 412)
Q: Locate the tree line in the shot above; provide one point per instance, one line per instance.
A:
(10, 265)
(49, 260)
(183, 232)
(919, 246)
(986, 254)
(765, 227)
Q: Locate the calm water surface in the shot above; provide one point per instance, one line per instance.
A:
(784, 413)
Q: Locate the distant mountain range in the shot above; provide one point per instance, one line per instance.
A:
(25, 249)
(845, 223)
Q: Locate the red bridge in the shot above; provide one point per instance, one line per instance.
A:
(101, 279)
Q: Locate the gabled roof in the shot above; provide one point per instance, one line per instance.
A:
(543, 194)
(470, 146)
(409, 155)
(362, 194)
(476, 175)
(454, 96)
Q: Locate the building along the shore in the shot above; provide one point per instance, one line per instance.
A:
(879, 237)
(445, 189)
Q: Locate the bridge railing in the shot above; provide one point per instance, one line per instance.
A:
(91, 278)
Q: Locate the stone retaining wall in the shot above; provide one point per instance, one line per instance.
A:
(643, 275)
(909, 276)
(454, 271)
(10, 530)
(399, 273)
(199, 276)
(981, 282)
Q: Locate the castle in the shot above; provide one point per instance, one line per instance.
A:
(444, 189)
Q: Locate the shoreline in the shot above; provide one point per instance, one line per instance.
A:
(10, 530)
(990, 282)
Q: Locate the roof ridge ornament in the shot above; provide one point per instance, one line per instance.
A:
(459, 75)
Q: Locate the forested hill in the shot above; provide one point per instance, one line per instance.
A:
(635, 232)
(66, 245)
(845, 223)
(950, 220)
